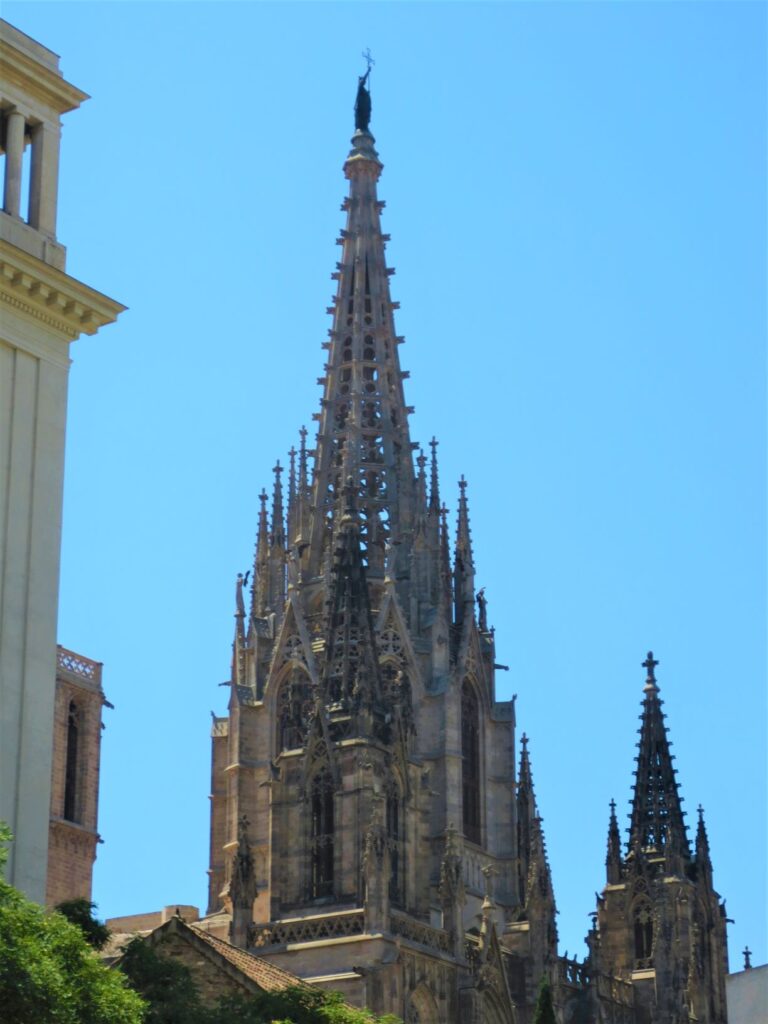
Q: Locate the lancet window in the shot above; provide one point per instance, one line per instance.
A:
(321, 835)
(293, 707)
(470, 761)
(642, 920)
(71, 773)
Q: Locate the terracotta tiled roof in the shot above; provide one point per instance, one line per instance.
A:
(266, 974)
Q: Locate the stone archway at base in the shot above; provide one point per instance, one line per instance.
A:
(422, 1007)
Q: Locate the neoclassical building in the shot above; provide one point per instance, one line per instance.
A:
(43, 310)
(373, 829)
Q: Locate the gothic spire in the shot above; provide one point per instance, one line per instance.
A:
(302, 489)
(527, 815)
(277, 546)
(434, 481)
(703, 859)
(421, 487)
(277, 538)
(657, 818)
(613, 862)
(363, 422)
(446, 586)
(238, 645)
(463, 566)
(539, 875)
(525, 777)
(260, 582)
(291, 513)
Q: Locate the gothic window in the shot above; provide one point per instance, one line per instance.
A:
(293, 706)
(395, 842)
(321, 835)
(470, 762)
(71, 767)
(642, 919)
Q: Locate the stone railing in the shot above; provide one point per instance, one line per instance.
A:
(77, 665)
(615, 990)
(307, 929)
(572, 973)
(419, 931)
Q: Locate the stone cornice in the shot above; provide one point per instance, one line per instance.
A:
(33, 78)
(52, 297)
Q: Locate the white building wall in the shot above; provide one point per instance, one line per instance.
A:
(746, 994)
(42, 310)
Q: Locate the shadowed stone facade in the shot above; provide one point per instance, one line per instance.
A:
(369, 829)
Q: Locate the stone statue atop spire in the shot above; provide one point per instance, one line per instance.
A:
(363, 98)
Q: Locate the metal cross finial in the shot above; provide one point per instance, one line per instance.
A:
(650, 663)
(747, 953)
(368, 58)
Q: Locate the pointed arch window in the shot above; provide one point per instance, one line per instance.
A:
(71, 773)
(321, 835)
(293, 705)
(470, 761)
(642, 922)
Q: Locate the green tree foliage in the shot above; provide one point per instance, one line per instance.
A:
(50, 975)
(294, 1006)
(544, 1012)
(168, 988)
(5, 837)
(165, 984)
(80, 912)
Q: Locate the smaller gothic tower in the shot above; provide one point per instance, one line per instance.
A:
(660, 924)
(530, 937)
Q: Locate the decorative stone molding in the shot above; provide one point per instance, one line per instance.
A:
(52, 297)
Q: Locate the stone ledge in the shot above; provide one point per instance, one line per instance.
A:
(51, 296)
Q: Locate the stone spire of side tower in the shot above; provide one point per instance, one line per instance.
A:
(657, 819)
(660, 925)
(363, 423)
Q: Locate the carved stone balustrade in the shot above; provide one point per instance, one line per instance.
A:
(294, 930)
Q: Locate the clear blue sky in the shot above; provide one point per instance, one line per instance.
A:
(576, 198)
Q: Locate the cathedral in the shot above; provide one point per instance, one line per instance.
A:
(374, 825)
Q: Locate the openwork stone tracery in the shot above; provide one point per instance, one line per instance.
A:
(396, 844)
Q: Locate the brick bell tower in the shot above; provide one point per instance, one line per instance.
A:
(365, 758)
